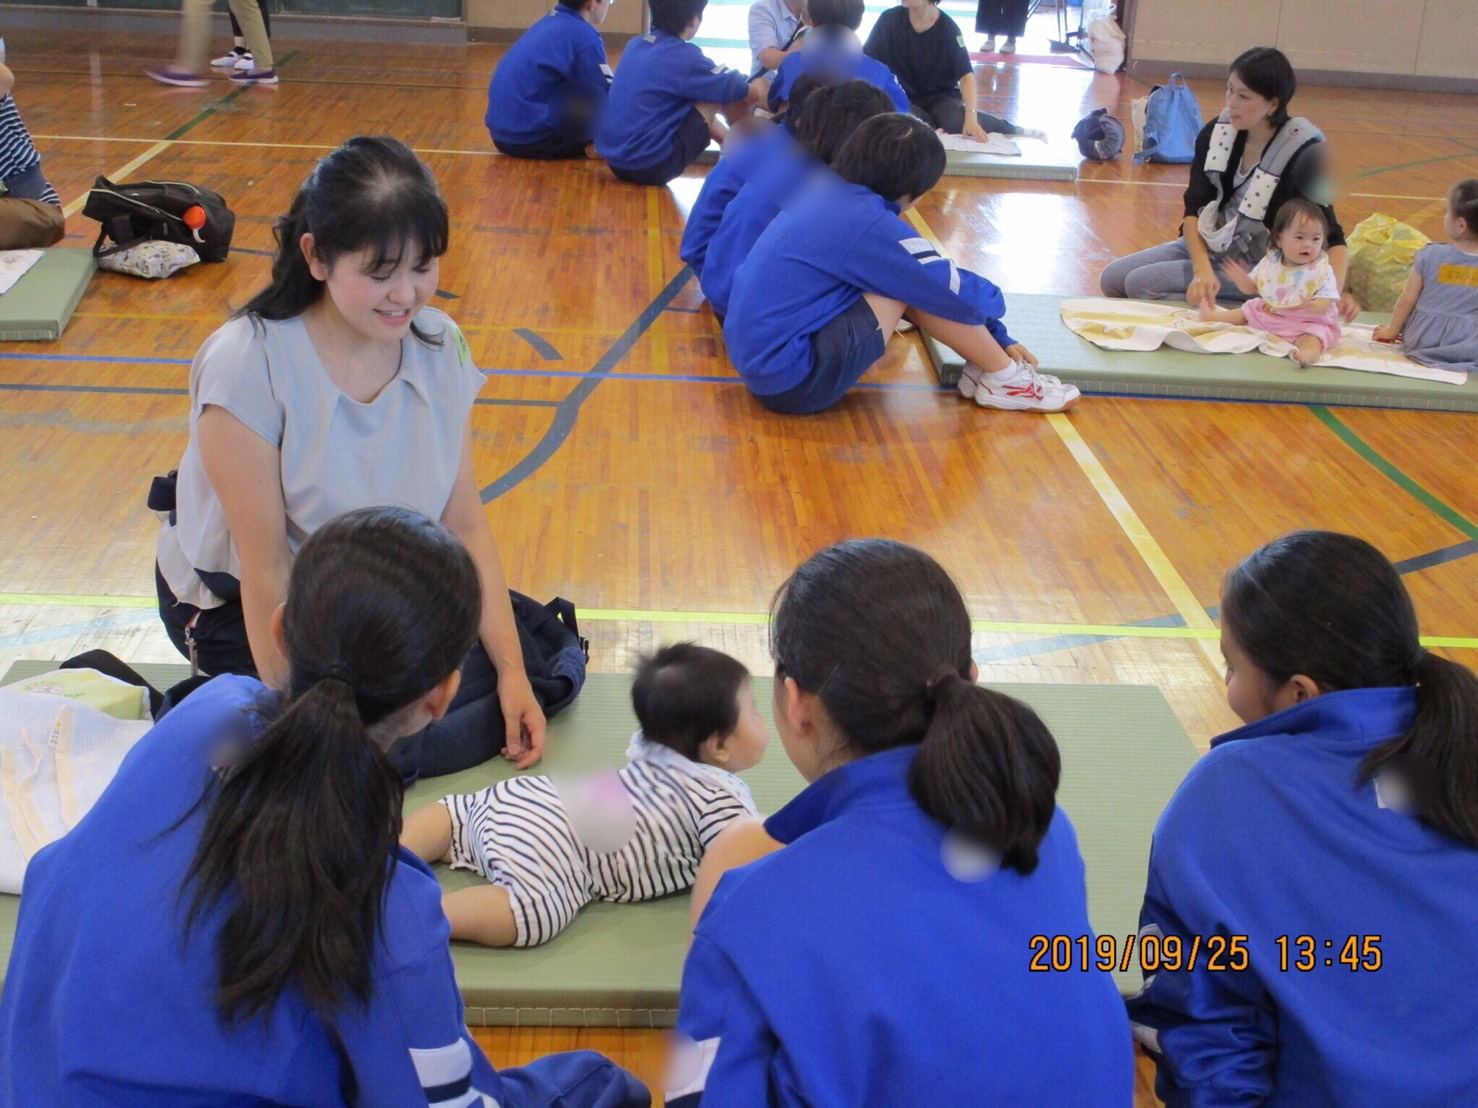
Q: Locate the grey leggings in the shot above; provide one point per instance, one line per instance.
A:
(1160, 273)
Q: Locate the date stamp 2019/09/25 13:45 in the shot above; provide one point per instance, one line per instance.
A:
(1152, 952)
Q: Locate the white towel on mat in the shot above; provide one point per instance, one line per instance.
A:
(1146, 325)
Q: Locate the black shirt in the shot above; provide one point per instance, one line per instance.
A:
(927, 65)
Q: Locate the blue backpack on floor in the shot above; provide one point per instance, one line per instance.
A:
(1172, 120)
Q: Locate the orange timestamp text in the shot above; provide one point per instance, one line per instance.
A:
(1150, 952)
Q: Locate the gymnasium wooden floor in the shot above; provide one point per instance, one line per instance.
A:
(625, 468)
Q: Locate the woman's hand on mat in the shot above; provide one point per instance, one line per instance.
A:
(1349, 307)
(1018, 353)
(523, 720)
(1202, 291)
(973, 130)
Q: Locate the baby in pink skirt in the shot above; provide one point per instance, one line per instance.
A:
(1297, 291)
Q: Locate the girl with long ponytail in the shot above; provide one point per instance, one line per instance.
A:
(234, 921)
(877, 949)
(1334, 837)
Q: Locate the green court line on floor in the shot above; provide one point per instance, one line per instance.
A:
(1413, 165)
(1444, 511)
(752, 619)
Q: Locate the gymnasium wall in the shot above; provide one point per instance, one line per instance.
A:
(626, 17)
(1384, 43)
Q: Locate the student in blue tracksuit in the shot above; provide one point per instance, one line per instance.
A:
(881, 956)
(548, 91)
(666, 99)
(848, 268)
(729, 174)
(1334, 841)
(831, 114)
(233, 921)
(832, 53)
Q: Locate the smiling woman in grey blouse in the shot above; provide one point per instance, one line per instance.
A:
(337, 388)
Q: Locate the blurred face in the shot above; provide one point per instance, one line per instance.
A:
(1250, 692)
(746, 745)
(1245, 108)
(379, 303)
(1301, 241)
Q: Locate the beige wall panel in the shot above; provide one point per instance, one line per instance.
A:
(1449, 30)
(1360, 36)
(1202, 30)
(628, 17)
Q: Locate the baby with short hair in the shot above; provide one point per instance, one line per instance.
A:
(549, 845)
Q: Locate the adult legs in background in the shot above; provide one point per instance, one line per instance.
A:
(240, 57)
(194, 47)
(1162, 272)
(1002, 17)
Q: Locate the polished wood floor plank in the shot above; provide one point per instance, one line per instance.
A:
(666, 488)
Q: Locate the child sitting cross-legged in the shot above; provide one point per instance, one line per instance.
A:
(667, 97)
(832, 53)
(549, 846)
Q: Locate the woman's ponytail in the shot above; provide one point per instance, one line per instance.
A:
(1333, 608)
(299, 834)
(293, 288)
(1438, 756)
(988, 767)
(879, 632)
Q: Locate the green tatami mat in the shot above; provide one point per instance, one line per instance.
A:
(1123, 754)
(1036, 163)
(38, 306)
(1036, 322)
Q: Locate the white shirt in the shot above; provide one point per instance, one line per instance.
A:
(771, 23)
(402, 448)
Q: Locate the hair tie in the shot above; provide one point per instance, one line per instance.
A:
(340, 672)
(932, 686)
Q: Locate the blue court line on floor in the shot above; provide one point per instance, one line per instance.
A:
(569, 408)
(115, 359)
(540, 343)
(101, 623)
(1437, 557)
(685, 311)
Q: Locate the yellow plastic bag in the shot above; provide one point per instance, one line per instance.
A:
(1382, 250)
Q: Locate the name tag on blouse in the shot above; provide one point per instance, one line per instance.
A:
(1464, 275)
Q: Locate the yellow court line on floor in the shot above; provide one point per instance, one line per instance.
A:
(120, 173)
(1164, 571)
(753, 619)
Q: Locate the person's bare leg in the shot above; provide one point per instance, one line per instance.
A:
(482, 914)
(716, 129)
(970, 340)
(1223, 315)
(427, 833)
(1307, 349)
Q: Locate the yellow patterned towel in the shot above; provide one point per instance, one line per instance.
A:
(1147, 325)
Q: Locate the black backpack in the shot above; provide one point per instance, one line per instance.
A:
(554, 654)
(149, 210)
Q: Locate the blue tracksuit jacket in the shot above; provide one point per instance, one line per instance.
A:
(1273, 833)
(835, 54)
(851, 970)
(830, 245)
(721, 185)
(552, 82)
(660, 78)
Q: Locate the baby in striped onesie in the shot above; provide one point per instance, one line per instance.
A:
(548, 846)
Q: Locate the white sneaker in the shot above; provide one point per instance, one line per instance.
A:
(1024, 390)
(1009, 46)
(233, 60)
(1032, 133)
